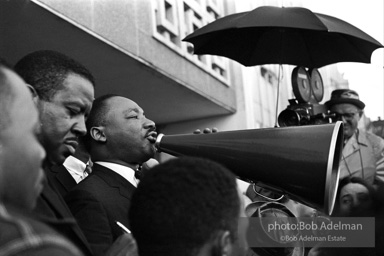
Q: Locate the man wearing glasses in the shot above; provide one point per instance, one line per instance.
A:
(363, 152)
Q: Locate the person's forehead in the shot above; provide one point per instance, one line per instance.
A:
(75, 86)
(353, 188)
(123, 104)
(345, 107)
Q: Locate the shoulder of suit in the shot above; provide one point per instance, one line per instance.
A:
(374, 138)
(376, 142)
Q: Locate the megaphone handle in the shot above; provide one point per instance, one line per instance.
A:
(265, 197)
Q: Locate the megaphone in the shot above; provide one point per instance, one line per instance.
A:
(302, 162)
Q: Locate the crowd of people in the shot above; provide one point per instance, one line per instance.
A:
(72, 183)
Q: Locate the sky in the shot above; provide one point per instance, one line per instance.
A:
(366, 79)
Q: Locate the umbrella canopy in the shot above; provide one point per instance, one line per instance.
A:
(284, 35)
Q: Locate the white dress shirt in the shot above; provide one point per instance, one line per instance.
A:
(124, 171)
(76, 168)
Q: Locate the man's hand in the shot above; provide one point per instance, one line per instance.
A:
(149, 164)
(206, 130)
(125, 245)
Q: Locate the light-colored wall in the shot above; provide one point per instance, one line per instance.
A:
(131, 25)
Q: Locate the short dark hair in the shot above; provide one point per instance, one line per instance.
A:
(7, 96)
(181, 205)
(46, 70)
(97, 116)
(100, 108)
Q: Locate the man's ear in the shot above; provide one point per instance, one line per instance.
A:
(222, 245)
(98, 134)
(35, 100)
(226, 243)
(35, 96)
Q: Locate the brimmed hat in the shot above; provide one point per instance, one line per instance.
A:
(345, 96)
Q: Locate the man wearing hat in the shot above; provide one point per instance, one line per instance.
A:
(363, 152)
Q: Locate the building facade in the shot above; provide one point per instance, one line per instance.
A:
(135, 48)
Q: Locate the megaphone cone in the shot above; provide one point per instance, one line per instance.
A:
(300, 161)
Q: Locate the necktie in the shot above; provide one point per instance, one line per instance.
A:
(138, 174)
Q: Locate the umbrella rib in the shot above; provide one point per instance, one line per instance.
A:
(358, 49)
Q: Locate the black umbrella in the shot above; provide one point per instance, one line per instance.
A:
(284, 35)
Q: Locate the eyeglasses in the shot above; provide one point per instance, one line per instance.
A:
(339, 116)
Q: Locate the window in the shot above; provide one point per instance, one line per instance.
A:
(175, 19)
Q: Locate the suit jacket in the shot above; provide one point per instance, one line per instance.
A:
(61, 179)
(52, 210)
(97, 203)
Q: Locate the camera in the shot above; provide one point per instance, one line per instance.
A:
(305, 109)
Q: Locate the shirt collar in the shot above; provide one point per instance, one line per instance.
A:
(75, 167)
(361, 138)
(74, 163)
(124, 171)
(357, 139)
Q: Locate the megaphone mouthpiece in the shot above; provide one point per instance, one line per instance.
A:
(158, 140)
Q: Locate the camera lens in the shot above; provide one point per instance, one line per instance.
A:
(288, 117)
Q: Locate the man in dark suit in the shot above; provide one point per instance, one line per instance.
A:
(74, 169)
(65, 91)
(62, 179)
(120, 139)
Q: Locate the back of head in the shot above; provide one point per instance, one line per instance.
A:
(46, 70)
(181, 205)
